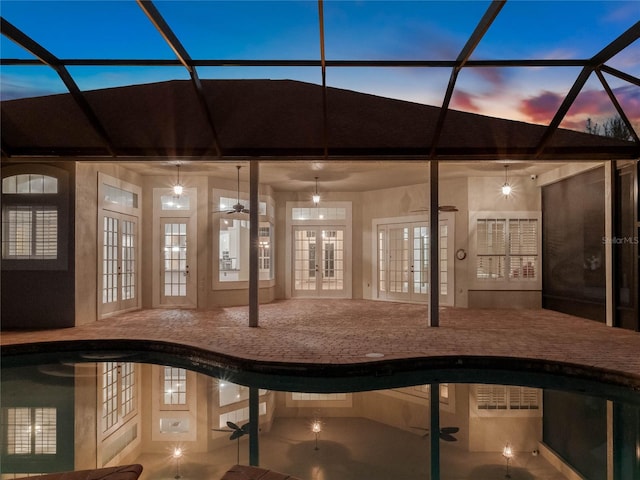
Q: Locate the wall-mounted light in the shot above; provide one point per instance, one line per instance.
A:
(177, 187)
(506, 188)
(316, 196)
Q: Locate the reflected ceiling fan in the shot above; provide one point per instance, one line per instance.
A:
(446, 433)
(441, 208)
(236, 431)
(238, 207)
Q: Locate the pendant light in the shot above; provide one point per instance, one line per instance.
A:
(506, 188)
(178, 188)
(316, 196)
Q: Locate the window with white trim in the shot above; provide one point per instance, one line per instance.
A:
(118, 394)
(233, 239)
(230, 393)
(30, 431)
(30, 232)
(507, 248)
(505, 399)
(34, 211)
(175, 386)
(240, 415)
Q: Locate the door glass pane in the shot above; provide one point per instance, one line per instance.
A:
(128, 262)
(398, 254)
(175, 259)
(304, 260)
(110, 260)
(265, 264)
(332, 259)
(444, 238)
(382, 264)
(420, 260)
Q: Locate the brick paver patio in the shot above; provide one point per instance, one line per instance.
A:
(337, 337)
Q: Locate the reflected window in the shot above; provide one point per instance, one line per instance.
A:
(240, 415)
(229, 393)
(31, 431)
(175, 386)
(300, 396)
(504, 398)
(118, 393)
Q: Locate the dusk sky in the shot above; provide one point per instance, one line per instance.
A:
(355, 30)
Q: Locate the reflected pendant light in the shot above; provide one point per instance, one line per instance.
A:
(178, 188)
(506, 188)
(316, 196)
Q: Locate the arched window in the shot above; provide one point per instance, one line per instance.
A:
(34, 217)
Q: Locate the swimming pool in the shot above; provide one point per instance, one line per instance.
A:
(79, 410)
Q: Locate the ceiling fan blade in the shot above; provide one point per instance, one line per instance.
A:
(225, 430)
(449, 430)
(441, 208)
(236, 434)
(233, 426)
(245, 427)
(448, 438)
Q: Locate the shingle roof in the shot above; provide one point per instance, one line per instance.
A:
(275, 118)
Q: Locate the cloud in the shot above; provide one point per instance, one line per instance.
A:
(541, 108)
(465, 101)
(594, 104)
(623, 13)
(495, 77)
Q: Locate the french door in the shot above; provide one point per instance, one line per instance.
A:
(403, 261)
(318, 261)
(177, 276)
(119, 259)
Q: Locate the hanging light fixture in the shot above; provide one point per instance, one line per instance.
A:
(177, 187)
(506, 188)
(316, 196)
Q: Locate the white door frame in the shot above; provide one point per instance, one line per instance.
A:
(449, 217)
(345, 223)
(188, 216)
(319, 262)
(120, 212)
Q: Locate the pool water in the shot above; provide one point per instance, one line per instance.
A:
(177, 422)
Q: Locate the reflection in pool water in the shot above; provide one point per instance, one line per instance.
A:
(73, 416)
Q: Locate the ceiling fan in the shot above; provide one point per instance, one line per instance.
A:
(236, 431)
(238, 207)
(446, 433)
